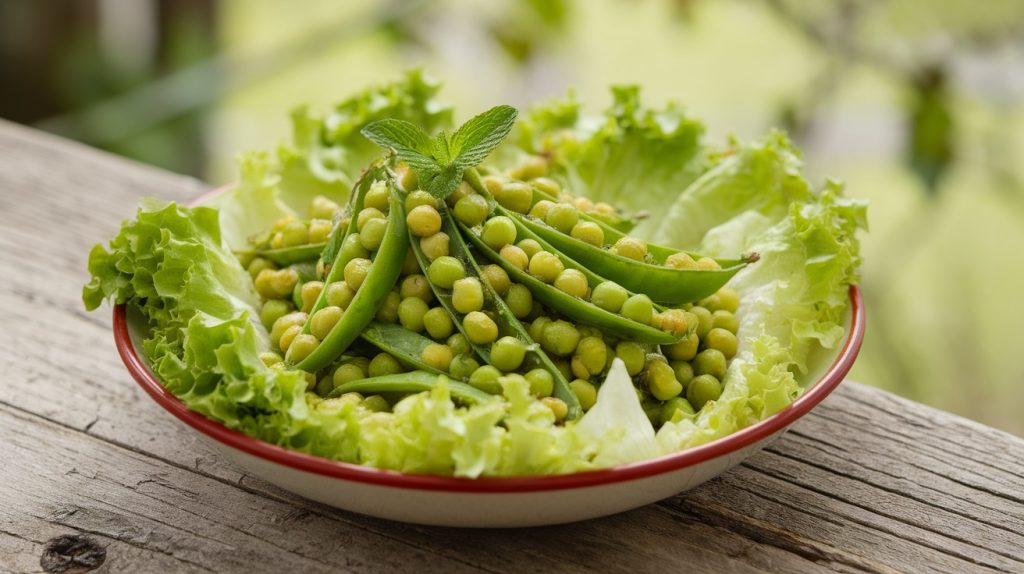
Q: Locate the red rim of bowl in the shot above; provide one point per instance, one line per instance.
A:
(346, 471)
(354, 472)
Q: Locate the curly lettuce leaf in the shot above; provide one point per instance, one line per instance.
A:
(633, 157)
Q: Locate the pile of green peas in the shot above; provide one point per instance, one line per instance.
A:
(672, 381)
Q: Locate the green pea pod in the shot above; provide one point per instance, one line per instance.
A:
(290, 255)
(508, 325)
(574, 308)
(412, 382)
(623, 222)
(662, 284)
(401, 343)
(387, 265)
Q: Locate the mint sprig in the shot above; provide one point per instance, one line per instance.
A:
(440, 162)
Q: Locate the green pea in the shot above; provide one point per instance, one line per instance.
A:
(588, 232)
(515, 256)
(411, 265)
(480, 329)
(563, 217)
(472, 210)
(276, 284)
(728, 300)
(515, 196)
(592, 353)
(711, 303)
(572, 282)
(356, 271)
(546, 266)
(376, 403)
(684, 350)
(630, 248)
(416, 285)
(710, 362)
(384, 364)
(680, 261)
(547, 186)
(459, 344)
(294, 319)
(407, 178)
(294, 234)
(437, 356)
(273, 310)
(560, 338)
(259, 264)
(321, 323)
(542, 383)
(486, 379)
(557, 406)
(378, 197)
(418, 198)
(530, 247)
(493, 183)
(438, 323)
(519, 300)
(537, 327)
(639, 308)
(723, 341)
(705, 320)
(373, 234)
(467, 295)
(367, 214)
(462, 367)
(352, 248)
(703, 388)
(683, 370)
(288, 336)
(388, 311)
(324, 387)
(320, 230)
(564, 368)
(445, 271)
(723, 319)
(496, 277)
(322, 208)
(529, 167)
(507, 353)
(301, 346)
(411, 312)
(498, 232)
(632, 354)
(674, 405)
(585, 392)
(541, 208)
(309, 293)
(661, 381)
(609, 296)
(423, 221)
(347, 373)
(462, 190)
(435, 246)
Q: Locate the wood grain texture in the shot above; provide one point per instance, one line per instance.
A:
(868, 482)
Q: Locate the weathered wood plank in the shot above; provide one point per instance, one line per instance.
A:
(867, 483)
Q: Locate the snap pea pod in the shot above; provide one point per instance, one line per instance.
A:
(412, 382)
(666, 285)
(285, 255)
(384, 272)
(572, 307)
(401, 343)
(577, 309)
(623, 222)
(507, 324)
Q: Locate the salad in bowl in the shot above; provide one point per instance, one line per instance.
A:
(541, 295)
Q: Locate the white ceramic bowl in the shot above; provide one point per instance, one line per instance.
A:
(493, 502)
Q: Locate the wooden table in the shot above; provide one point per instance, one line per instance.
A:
(90, 466)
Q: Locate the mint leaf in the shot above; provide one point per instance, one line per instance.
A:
(477, 138)
(440, 163)
(411, 144)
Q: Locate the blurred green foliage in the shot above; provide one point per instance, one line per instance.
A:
(918, 104)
